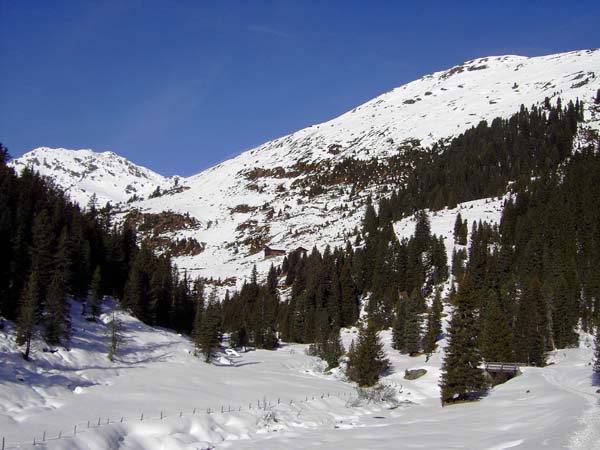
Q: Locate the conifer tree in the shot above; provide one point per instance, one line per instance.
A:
(367, 360)
(531, 326)
(96, 295)
(412, 324)
(399, 325)
(334, 349)
(198, 313)
(597, 354)
(434, 324)
(461, 376)
(350, 303)
(422, 231)
(496, 334)
(460, 230)
(42, 249)
(28, 312)
(210, 331)
(370, 221)
(114, 329)
(56, 317)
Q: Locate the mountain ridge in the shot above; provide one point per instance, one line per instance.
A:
(271, 195)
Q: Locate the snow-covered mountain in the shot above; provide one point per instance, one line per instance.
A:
(83, 173)
(275, 195)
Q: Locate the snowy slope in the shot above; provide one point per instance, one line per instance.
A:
(271, 400)
(259, 197)
(85, 172)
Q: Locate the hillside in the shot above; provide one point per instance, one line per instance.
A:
(309, 188)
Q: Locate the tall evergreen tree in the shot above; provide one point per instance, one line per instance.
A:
(28, 313)
(96, 294)
(412, 324)
(531, 325)
(461, 375)
(434, 324)
(597, 353)
(367, 360)
(198, 314)
(56, 317)
(115, 335)
(496, 335)
(399, 325)
(210, 331)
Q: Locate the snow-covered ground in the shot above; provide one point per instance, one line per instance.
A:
(271, 400)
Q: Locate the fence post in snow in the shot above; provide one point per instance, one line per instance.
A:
(59, 434)
(88, 424)
(121, 419)
(180, 413)
(43, 437)
(75, 430)
(142, 417)
(194, 412)
(161, 415)
(98, 421)
(3, 443)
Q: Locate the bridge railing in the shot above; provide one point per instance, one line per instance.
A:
(502, 366)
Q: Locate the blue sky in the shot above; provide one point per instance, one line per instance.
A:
(179, 86)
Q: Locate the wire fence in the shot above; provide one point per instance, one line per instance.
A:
(46, 437)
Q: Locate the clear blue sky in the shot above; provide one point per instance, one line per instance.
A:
(178, 86)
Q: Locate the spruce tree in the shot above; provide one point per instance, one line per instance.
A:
(422, 231)
(367, 360)
(198, 296)
(399, 325)
(56, 317)
(350, 303)
(496, 334)
(412, 324)
(115, 336)
(434, 324)
(597, 361)
(96, 295)
(531, 326)
(210, 331)
(370, 221)
(28, 313)
(334, 349)
(461, 375)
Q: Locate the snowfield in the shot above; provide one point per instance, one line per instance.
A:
(271, 400)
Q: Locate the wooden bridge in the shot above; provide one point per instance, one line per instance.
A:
(501, 367)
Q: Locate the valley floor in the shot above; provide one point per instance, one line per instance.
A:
(272, 400)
